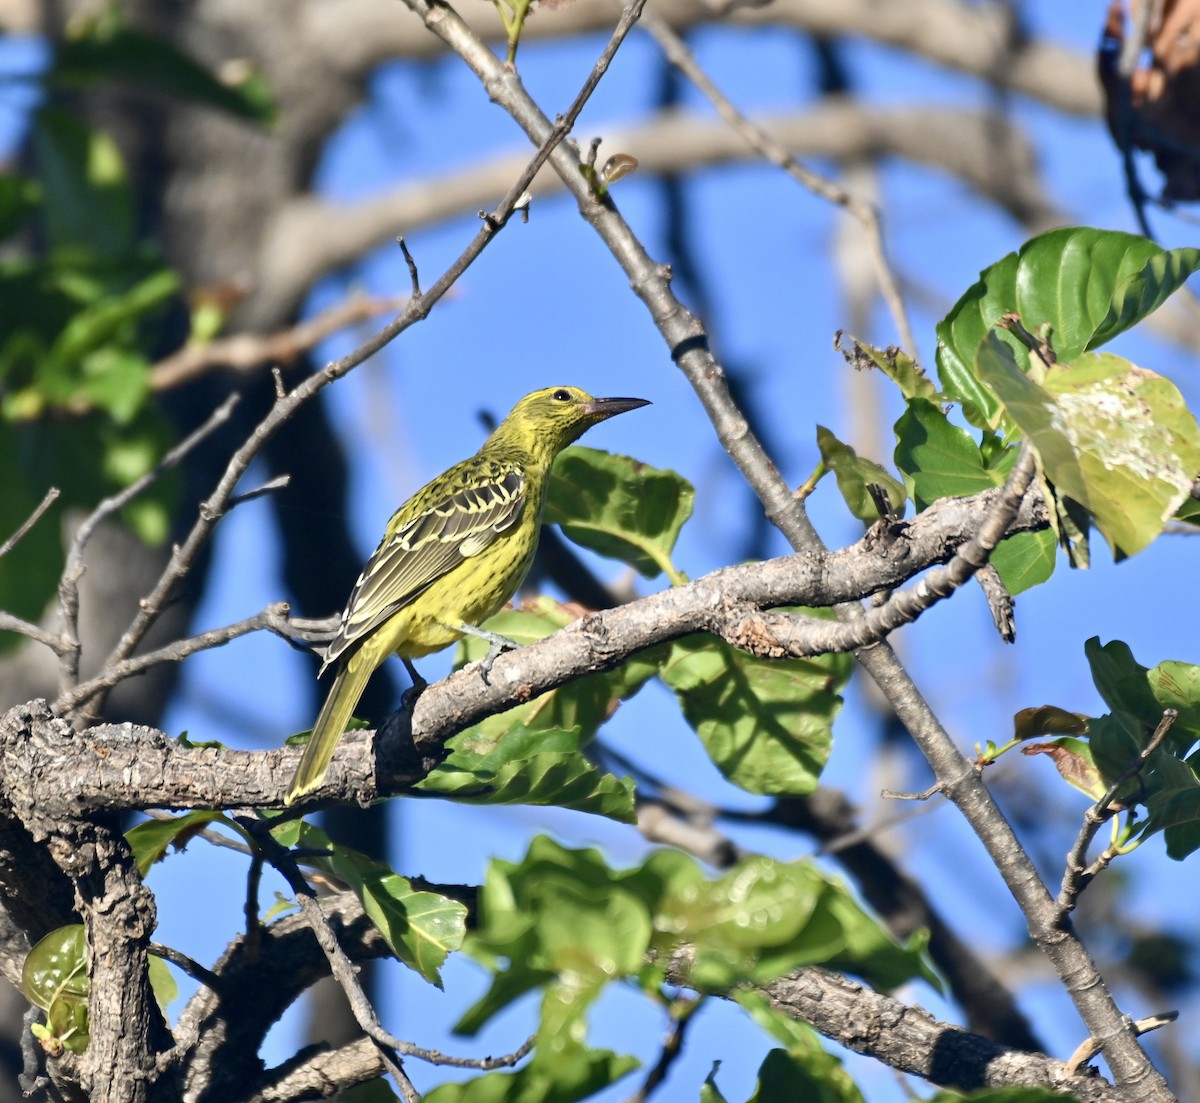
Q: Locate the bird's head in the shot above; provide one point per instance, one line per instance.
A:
(546, 421)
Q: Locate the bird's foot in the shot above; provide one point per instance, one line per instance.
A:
(497, 645)
(409, 698)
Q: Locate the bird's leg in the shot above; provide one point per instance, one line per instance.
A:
(419, 685)
(498, 644)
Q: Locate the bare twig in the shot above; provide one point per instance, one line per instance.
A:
(52, 640)
(50, 498)
(1077, 877)
(181, 961)
(866, 213)
(269, 487)
(1088, 1048)
(682, 1011)
(274, 618)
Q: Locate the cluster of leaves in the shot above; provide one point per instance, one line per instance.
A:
(1093, 754)
(85, 302)
(1116, 445)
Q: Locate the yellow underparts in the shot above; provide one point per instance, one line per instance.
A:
(469, 594)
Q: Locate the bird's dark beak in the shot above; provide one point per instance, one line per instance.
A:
(600, 408)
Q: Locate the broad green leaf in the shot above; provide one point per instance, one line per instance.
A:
(899, 367)
(939, 459)
(571, 1072)
(559, 918)
(1116, 739)
(88, 203)
(854, 474)
(814, 1076)
(150, 841)
(543, 766)
(1115, 438)
(112, 318)
(1086, 285)
(563, 920)
(104, 49)
(1175, 811)
(764, 918)
(55, 979)
(1176, 685)
(619, 507)
(585, 703)
(162, 983)
(766, 723)
(810, 1072)
(1121, 680)
(422, 928)
(1025, 560)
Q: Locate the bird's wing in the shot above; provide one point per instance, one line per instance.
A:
(426, 546)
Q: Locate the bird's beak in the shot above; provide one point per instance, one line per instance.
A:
(600, 408)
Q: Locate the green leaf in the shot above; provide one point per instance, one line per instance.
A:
(1114, 437)
(765, 918)
(854, 474)
(162, 983)
(422, 928)
(104, 49)
(88, 203)
(786, 1076)
(1025, 560)
(939, 459)
(561, 918)
(110, 320)
(542, 766)
(1174, 807)
(1122, 681)
(619, 507)
(563, 921)
(809, 1072)
(766, 723)
(150, 841)
(55, 979)
(1087, 285)
(709, 1092)
(531, 754)
(1176, 685)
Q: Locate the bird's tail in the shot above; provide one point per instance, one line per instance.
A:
(335, 714)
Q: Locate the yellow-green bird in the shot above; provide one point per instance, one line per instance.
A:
(451, 556)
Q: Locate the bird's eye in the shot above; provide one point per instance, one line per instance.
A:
(562, 395)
